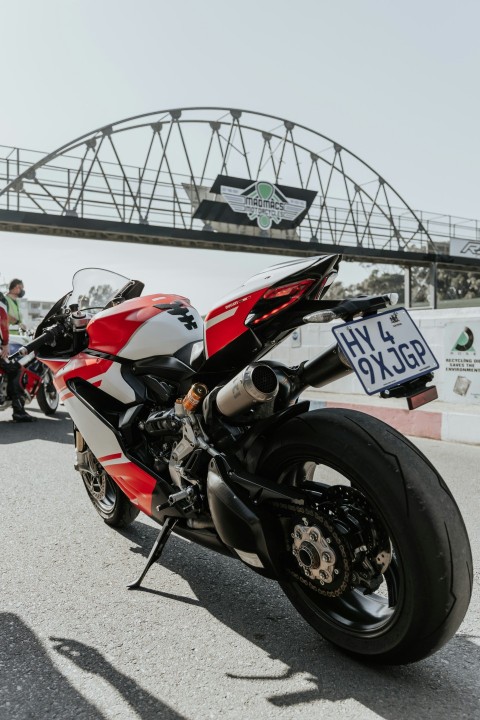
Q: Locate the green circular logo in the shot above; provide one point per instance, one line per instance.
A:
(265, 190)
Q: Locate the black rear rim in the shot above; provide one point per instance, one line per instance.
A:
(358, 611)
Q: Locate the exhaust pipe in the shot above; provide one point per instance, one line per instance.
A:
(257, 383)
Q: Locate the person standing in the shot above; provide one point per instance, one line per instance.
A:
(11, 369)
(15, 292)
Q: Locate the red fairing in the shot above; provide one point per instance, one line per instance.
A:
(112, 329)
(81, 366)
(4, 332)
(137, 484)
(32, 383)
(54, 365)
(227, 322)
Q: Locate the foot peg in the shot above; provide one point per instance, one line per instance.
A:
(156, 550)
(188, 494)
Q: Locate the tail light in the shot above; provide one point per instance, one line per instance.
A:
(286, 295)
(326, 282)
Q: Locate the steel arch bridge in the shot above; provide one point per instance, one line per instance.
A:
(157, 178)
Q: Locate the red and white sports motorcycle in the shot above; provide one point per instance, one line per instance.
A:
(182, 419)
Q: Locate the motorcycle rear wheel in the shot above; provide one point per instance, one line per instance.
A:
(426, 589)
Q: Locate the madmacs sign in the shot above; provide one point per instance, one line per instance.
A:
(261, 203)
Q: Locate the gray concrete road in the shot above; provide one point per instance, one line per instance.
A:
(207, 639)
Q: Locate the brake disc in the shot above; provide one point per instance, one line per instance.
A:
(337, 545)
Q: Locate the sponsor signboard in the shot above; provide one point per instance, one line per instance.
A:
(465, 248)
(255, 202)
(462, 359)
(263, 202)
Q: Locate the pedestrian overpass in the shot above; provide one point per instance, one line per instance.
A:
(225, 179)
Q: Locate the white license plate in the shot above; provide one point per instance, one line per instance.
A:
(385, 350)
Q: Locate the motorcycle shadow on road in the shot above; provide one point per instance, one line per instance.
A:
(56, 428)
(443, 686)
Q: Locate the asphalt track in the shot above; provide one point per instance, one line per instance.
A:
(207, 638)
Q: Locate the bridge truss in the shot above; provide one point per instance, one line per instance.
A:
(143, 179)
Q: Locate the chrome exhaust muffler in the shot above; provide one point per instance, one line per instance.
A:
(257, 383)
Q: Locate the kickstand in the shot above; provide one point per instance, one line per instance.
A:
(156, 550)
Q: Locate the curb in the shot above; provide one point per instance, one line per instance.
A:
(437, 421)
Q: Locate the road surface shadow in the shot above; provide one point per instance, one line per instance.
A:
(445, 685)
(56, 428)
(147, 706)
(31, 686)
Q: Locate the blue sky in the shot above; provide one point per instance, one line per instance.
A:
(395, 83)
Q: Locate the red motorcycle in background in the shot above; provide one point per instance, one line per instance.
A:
(189, 422)
(36, 380)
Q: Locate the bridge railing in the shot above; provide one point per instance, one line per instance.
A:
(131, 194)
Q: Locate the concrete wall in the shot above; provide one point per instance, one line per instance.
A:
(457, 380)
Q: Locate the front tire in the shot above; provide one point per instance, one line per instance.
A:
(107, 498)
(425, 591)
(47, 396)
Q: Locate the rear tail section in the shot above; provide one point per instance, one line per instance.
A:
(236, 324)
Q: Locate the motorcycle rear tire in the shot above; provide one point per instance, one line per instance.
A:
(432, 563)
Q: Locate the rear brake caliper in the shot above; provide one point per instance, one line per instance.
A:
(366, 535)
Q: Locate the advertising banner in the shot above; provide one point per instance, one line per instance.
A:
(240, 201)
(462, 360)
(465, 248)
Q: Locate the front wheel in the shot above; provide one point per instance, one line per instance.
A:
(108, 499)
(47, 396)
(378, 559)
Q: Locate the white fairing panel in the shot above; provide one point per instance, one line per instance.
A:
(268, 277)
(113, 383)
(164, 334)
(100, 439)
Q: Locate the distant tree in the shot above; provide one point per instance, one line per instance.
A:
(380, 283)
(451, 285)
(97, 297)
(377, 283)
(454, 285)
(337, 291)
